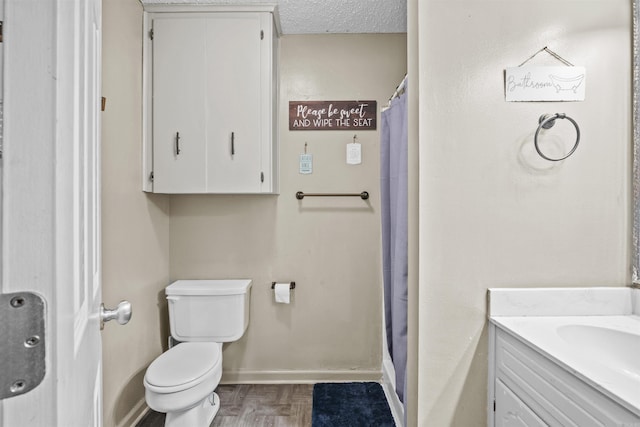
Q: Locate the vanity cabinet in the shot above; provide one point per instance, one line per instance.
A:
(530, 389)
(210, 81)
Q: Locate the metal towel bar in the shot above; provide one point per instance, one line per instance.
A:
(301, 195)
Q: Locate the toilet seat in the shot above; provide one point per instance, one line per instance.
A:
(183, 367)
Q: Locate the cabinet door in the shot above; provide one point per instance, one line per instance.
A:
(234, 99)
(511, 411)
(179, 116)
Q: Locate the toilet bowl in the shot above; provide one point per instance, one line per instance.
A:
(182, 381)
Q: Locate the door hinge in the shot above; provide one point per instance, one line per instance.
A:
(151, 34)
(151, 176)
(1, 24)
(261, 176)
(494, 405)
(23, 336)
(261, 34)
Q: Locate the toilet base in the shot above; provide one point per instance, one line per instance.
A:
(199, 416)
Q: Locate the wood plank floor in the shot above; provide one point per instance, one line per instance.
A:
(256, 405)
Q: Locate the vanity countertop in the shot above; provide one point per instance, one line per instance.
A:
(593, 333)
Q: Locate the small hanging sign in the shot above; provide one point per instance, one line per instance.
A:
(332, 115)
(354, 152)
(530, 83)
(306, 162)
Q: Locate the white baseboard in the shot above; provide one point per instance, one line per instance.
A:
(298, 377)
(135, 415)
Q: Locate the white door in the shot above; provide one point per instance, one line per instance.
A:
(51, 199)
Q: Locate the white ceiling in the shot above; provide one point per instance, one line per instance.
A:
(329, 16)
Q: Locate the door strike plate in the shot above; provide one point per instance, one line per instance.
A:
(22, 344)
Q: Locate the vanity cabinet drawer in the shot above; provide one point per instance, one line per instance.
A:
(554, 395)
(513, 412)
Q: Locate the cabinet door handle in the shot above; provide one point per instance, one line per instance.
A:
(177, 143)
(233, 143)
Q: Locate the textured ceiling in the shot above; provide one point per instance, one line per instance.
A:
(329, 16)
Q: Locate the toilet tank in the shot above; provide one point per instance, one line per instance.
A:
(208, 310)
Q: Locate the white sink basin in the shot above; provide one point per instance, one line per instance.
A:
(619, 350)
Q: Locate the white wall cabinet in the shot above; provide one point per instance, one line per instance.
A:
(211, 100)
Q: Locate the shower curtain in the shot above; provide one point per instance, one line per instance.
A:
(393, 191)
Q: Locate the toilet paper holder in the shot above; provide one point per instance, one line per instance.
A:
(292, 285)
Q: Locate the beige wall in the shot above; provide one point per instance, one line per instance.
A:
(330, 247)
(135, 226)
(492, 213)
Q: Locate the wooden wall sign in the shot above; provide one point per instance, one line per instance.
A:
(332, 115)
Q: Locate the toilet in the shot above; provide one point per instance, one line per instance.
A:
(203, 314)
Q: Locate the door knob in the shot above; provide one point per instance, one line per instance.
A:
(122, 313)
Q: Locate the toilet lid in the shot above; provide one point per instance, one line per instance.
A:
(183, 364)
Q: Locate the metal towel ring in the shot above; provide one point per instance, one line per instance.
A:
(547, 121)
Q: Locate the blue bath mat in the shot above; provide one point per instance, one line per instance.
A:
(350, 405)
